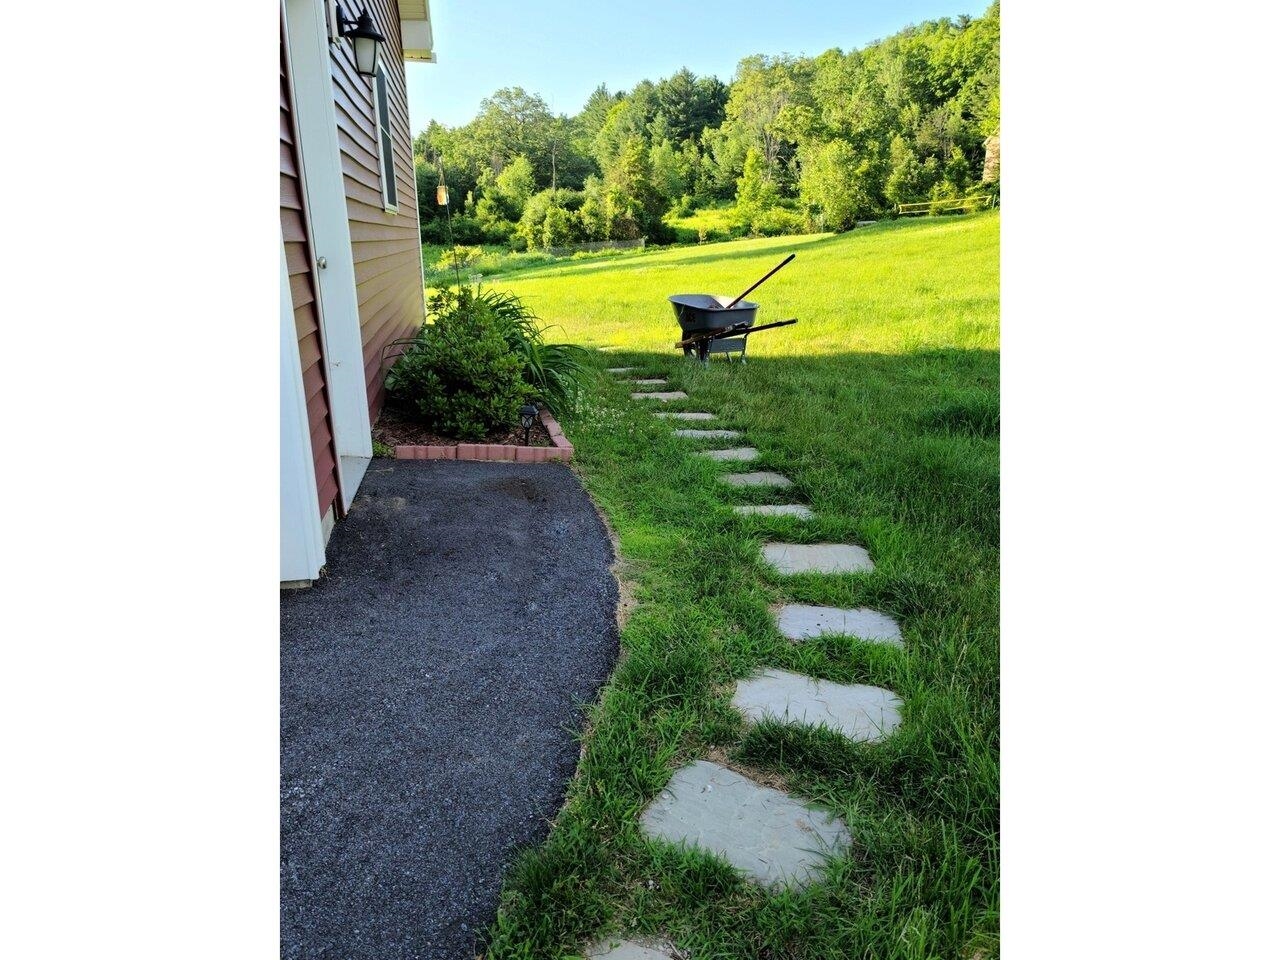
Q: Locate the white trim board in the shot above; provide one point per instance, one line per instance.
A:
(325, 195)
(301, 533)
(353, 471)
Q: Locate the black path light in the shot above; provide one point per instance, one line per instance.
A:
(527, 413)
(365, 38)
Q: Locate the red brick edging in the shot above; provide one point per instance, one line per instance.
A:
(562, 449)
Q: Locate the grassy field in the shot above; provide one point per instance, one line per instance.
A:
(439, 266)
(882, 405)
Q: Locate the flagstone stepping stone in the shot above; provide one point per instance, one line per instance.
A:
(687, 416)
(659, 395)
(788, 558)
(650, 382)
(862, 713)
(776, 839)
(613, 948)
(732, 455)
(759, 478)
(797, 510)
(619, 369)
(708, 434)
(799, 621)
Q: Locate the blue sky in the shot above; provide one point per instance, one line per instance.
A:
(562, 49)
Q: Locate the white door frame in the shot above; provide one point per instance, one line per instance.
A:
(301, 530)
(320, 173)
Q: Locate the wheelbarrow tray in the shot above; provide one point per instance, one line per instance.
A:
(697, 312)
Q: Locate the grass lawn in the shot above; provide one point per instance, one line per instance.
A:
(439, 267)
(882, 406)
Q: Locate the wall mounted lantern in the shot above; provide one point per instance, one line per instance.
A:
(365, 38)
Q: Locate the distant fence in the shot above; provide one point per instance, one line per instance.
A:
(597, 245)
(958, 205)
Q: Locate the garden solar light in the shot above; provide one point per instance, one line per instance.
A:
(365, 38)
(527, 413)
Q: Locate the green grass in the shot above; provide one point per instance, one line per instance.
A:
(499, 261)
(882, 404)
(715, 223)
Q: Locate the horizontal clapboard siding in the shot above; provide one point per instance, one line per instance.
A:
(306, 319)
(385, 247)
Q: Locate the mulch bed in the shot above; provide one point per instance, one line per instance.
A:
(395, 428)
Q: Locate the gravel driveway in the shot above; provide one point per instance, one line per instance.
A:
(431, 684)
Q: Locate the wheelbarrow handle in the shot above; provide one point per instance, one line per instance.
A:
(737, 330)
(770, 326)
(790, 257)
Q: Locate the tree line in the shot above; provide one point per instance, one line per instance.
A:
(793, 144)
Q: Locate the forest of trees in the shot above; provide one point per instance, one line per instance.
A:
(793, 144)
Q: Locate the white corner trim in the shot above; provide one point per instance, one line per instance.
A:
(325, 195)
(353, 471)
(301, 533)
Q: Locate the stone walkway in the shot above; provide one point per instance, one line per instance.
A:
(760, 478)
(613, 948)
(799, 621)
(687, 416)
(774, 838)
(709, 434)
(732, 455)
(792, 558)
(798, 510)
(859, 712)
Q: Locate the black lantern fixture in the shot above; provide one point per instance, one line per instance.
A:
(365, 38)
(527, 413)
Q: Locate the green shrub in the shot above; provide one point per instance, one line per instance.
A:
(483, 355)
(461, 375)
(554, 372)
(777, 222)
(463, 257)
(466, 230)
(549, 220)
(434, 231)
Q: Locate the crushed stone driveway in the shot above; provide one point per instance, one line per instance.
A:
(432, 683)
